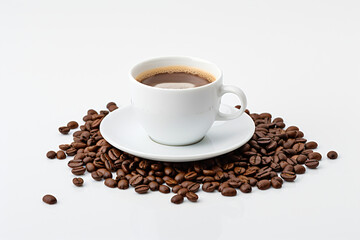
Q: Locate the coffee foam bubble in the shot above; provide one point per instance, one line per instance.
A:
(175, 69)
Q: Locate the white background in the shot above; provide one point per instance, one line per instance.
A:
(296, 59)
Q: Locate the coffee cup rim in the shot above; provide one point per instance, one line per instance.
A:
(218, 75)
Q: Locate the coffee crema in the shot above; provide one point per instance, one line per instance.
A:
(175, 77)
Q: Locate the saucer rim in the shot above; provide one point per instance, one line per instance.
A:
(175, 158)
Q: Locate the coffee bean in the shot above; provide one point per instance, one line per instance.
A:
(228, 192)
(141, 189)
(51, 154)
(71, 151)
(97, 176)
(72, 125)
(78, 171)
(312, 163)
(105, 173)
(123, 184)
(64, 130)
(311, 145)
(276, 182)
(315, 155)
(164, 189)
(177, 199)
(90, 167)
(176, 188)
(190, 176)
(332, 155)
(75, 163)
(136, 180)
(154, 186)
(299, 169)
(193, 187)
(49, 199)
(111, 183)
(288, 176)
(252, 182)
(301, 159)
(263, 184)
(110, 104)
(60, 155)
(182, 191)
(245, 188)
(192, 197)
(78, 181)
(208, 187)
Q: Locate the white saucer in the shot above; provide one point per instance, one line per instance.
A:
(121, 129)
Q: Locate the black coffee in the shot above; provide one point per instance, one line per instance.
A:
(175, 77)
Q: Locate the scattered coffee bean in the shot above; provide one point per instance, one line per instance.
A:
(72, 125)
(299, 169)
(111, 183)
(192, 197)
(60, 155)
(263, 184)
(78, 181)
(311, 145)
(245, 188)
(141, 189)
(64, 130)
(177, 199)
(288, 176)
(49, 199)
(312, 163)
(272, 150)
(332, 155)
(228, 192)
(164, 189)
(51, 154)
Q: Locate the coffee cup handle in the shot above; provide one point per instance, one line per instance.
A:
(240, 94)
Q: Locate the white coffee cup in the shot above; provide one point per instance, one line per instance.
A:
(180, 116)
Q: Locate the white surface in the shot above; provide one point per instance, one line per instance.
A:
(222, 137)
(296, 59)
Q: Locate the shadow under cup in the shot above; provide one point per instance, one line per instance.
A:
(176, 116)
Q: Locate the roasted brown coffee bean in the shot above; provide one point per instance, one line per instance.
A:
(176, 188)
(78, 171)
(136, 180)
(72, 125)
(311, 145)
(111, 183)
(64, 147)
(276, 182)
(123, 184)
(288, 176)
(289, 168)
(60, 155)
(110, 104)
(78, 181)
(164, 189)
(106, 173)
(228, 192)
(97, 176)
(182, 191)
(312, 163)
(51, 154)
(64, 130)
(252, 182)
(263, 184)
(208, 187)
(299, 169)
(315, 155)
(193, 187)
(90, 167)
(154, 186)
(75, 163)
(301, 159)
(71, 151)
(192, 197)
(177, 199)
(141, 189)
(179, 177)
(190, 176)
(49, 199)
(255, 160)
(245, 188)
(332, 155)
(171, 182)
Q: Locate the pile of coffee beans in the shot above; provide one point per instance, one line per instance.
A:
(274, 154)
